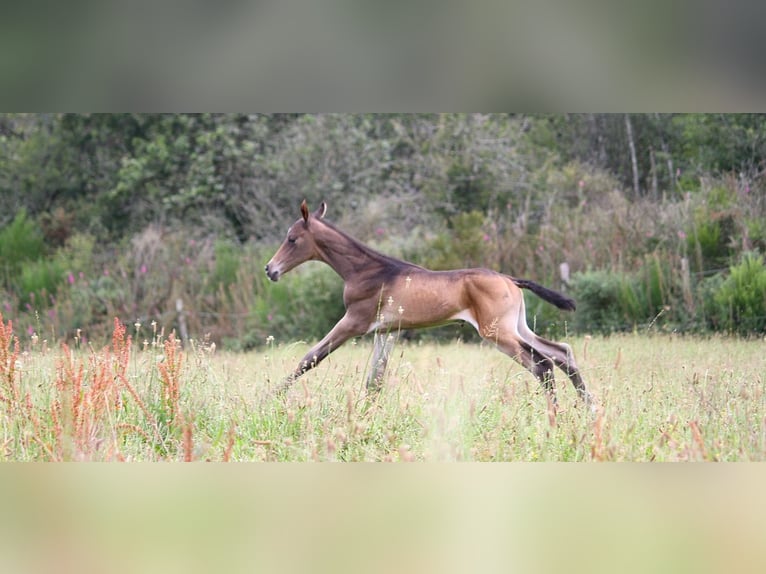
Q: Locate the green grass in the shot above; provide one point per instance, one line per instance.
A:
(660, 398)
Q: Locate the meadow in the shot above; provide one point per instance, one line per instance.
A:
(144, 398)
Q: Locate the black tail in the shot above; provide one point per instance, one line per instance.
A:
(559, 300)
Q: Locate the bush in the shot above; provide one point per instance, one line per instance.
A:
(599, 296)
(39, 280)
(227, 261)
(611, 301)
(739, 300)
(20, 241)
(304, 306)
(463, 244)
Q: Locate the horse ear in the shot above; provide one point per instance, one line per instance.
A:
(305, 211)
(319, 213)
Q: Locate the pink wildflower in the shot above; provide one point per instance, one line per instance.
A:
(70, 278)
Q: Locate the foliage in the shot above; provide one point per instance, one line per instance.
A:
(302, 306)
(106, 215)
(609, 301)
(20, 241)
(38, 281)
(461, 244)
(599, 296)
(740, 299)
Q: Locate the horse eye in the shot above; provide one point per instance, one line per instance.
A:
(291, 239)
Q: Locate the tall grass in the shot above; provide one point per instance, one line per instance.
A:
(660, 398)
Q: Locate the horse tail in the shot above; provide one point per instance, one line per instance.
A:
(558, 299)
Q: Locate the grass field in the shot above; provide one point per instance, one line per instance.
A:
(661, 398)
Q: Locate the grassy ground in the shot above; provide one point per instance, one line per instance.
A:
(660, 398)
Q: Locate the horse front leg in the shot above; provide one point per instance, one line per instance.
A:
(383, 345)
(343, 330)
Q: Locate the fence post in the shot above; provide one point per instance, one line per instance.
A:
(564, 272)
(182, 321)
(686, 285)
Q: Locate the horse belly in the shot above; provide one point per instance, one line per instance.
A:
(425, 307)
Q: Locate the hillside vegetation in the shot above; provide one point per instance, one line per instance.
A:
(651, 221)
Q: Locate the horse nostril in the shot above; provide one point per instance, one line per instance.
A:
(271, 274)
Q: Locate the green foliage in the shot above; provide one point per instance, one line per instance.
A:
(740, 299)
(722, 142)
(609, 301)
(141, 210)
(714, 231)
(462, 244)
(20, 241)
(38, 280)
(599, 296)
(227, 262)
(302, 306)
(470, 187)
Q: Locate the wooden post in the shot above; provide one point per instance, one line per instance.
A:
(182, 321)
(633, 158)
(564, 271)
(686, 285)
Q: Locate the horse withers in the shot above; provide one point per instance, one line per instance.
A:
(382, 293)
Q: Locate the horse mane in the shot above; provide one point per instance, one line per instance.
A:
(353, 247)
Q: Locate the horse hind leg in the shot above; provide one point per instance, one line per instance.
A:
(539, 364)
(541, 367)
(561, 354)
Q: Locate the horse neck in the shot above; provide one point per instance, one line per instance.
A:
(347, 256)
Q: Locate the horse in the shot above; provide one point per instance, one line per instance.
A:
(382, 293)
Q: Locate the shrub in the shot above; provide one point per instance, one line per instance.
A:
(20, 241)
(739, 301)
(599, 296)
(612, 301)
(302, 307)
(227, 261)
(463, 244)
(38, 280)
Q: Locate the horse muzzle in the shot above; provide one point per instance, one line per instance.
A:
(272, 273)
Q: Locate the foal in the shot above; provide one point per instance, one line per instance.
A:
(382, 293)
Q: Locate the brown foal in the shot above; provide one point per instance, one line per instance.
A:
(382, 294)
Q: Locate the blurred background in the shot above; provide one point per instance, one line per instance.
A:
(650, 220)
